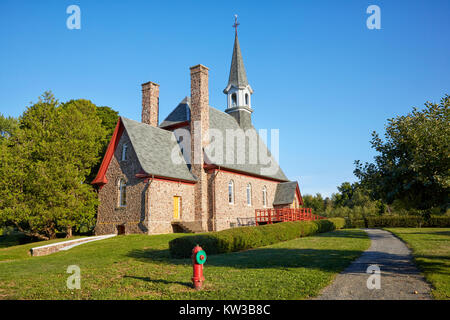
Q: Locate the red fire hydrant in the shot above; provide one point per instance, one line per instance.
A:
(198, 259)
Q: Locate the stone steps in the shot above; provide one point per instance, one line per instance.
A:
(189, 226)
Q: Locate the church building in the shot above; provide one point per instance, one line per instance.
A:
(162, 177)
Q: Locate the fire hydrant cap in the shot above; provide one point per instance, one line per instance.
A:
(200, 257)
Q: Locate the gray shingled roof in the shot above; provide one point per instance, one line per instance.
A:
(179, 114)
(285, 193)
(222, 121)
(153, 147)
(238, 76)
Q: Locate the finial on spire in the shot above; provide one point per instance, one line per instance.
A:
(236, 23)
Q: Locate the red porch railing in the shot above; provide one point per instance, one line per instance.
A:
(269, 216)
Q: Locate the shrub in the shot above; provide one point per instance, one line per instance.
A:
(400, 221)
(338, 222)
(243, 238)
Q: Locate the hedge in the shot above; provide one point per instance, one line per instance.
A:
(242, 238)
(399, 221)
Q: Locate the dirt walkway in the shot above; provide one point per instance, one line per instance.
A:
(399, 277)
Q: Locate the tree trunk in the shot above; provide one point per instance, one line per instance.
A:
(31, 234)
(69, 232)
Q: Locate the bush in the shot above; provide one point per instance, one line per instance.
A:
(338, 222)
(400, 222)
(243, 238)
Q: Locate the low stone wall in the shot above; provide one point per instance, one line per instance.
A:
(55, 247)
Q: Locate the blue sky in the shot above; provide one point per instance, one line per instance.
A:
(319, 74)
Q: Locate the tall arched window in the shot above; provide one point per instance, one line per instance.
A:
(231, 192)
(122, 193)
(264, 196)
(249, 194)
(246, 99)
(124, 152)
(234, 100)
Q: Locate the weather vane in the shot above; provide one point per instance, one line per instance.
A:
(236, 23)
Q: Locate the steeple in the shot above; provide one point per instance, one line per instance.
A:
(238, 90)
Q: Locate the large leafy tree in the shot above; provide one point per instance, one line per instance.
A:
(109, 118)
(413, 164)
(7, 126)
(45, 165)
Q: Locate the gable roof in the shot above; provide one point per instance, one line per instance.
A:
(153, 147)
(285, 193)
(179, 114)
(222, 121)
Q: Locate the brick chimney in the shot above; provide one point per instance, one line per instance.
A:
(150, 103)
(199, 138)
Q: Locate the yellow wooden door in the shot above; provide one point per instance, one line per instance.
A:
(176, 208)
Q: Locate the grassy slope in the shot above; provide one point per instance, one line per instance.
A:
(9, 250)
(139, 267)
(431, 250)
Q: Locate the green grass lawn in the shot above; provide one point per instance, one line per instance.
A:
(431, 250)
(9, 250)
(139, 267)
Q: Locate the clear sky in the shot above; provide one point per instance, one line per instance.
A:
(319, 74)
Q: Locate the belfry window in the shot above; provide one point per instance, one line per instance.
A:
(246, 99)
(234, 100)
(122, 193)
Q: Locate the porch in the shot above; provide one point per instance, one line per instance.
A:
(269, 216)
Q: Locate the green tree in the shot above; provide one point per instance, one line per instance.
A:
(109, 118)
(413, 164)
(316, 203)
(342, 198)
(8, 125)
(45, 165)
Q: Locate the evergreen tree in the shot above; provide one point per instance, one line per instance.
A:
(45, 165)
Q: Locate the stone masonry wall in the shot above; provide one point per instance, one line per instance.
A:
(149, 206)
(110, 214)
(150, 103)
(199, 138)
(161, 195)
(227, 213)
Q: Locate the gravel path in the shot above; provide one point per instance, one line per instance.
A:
(399, 277)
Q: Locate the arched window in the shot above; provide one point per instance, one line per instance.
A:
(180, 142)
(264, 196)
(249, 194)
(234, 100)
(231, 192)
(124, 152)
(246, 99)
(122, 193)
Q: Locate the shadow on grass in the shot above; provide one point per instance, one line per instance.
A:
(343, 234)
(148, 279)
(325, 259)
(261, 258)
(433, 264)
